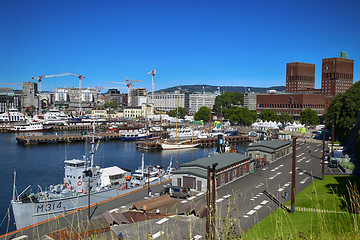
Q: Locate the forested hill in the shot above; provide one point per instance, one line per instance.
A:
(208, 88)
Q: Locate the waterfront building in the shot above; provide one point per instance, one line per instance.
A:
(250, 100)
(337, 74)
(31, 100)
(139, 112)
(193, 175)
(198, 100)
(269, 151)
(105, 113)
(167, 101)
(114, 95)
(9, 99)
(299, 76)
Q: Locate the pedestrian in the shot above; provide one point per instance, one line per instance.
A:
(285, 195)
(305, 140)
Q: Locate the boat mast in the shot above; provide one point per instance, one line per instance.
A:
(177, 112)
(14, 188)
(142, 165)
(92, 145)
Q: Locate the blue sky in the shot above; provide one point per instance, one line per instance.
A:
(232, 43)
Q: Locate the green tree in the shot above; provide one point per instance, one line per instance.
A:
(181, 112)
(227, 100)
(112, 105)
(309, 117)
(343, 111)
(241, 115)
(268, 115)
(203, 114)
(285, 118)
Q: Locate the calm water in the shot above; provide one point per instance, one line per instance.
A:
(44, 164)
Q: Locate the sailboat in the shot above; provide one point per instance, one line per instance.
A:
(178, 145)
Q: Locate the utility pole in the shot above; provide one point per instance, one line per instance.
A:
(207, 236)
(293, 176)
(323, 154)
(213, 202)
(332, 138)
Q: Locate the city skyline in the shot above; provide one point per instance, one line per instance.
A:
(204, 42)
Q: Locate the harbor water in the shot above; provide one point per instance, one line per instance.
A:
(43, 165)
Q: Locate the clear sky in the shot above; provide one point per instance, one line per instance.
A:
(232, 43)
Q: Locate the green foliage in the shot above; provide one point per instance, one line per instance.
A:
(343, 110)
(285, 118)
(181, 112)
(203, 114)
(268, 115)
(240, 115)
(309, 117)
(227, 100)
(112, 105)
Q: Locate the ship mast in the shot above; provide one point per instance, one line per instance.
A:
(92, 145)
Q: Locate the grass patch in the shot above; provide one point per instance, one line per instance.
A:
(332, 194)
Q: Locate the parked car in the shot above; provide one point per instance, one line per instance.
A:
(333, 164)
(177, 192)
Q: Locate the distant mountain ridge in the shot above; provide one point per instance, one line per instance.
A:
(208, 88)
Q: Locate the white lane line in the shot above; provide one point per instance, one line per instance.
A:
(191, 198)
(184, 201)
(227, 196)
(264, 169)
(305, 179)
(252, 199)
(114, 210)
(280, 189)
(258, 195)
(158, 234)
(297, 148)
(258, 207)
(245, 216)
(251, 212)
(162, 221)
(264, 202)
(261, 193)
(199, 194)
(219, 200)
(286, 184)
(271, 178)
(123, 207)
(290, 172)
(307, 161)
(197, 237)
(255, 197)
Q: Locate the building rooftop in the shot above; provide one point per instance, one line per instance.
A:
(224, 160)
(273, 144)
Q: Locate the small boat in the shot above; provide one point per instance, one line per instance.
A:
(134, 135)
(179, 145)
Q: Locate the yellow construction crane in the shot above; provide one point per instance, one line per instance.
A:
(130, 85)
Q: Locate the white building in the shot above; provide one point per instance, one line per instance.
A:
(87, 96)
(250, 100)
(198, 100)
(167, 101)
(61, 95)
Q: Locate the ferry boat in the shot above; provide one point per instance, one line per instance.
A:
(12, 116)
(81, 179)
(30, 127)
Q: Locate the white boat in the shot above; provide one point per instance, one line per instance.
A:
(178, 145)
(52, 117)
(81, 178)
(29, 127)
(145, 174)
(187, 133)
(15, 116)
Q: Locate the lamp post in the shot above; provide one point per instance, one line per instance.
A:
(213, 202)
(323, 155)
(293, 176)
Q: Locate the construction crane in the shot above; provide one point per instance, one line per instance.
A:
(39, 78)
(130, 85)
(153, 72)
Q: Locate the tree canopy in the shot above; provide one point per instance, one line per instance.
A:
(268, 115)
(112, 105)
(227, 100)
(285, 118)
(309, 117)
(203, 114)
(343, 111)
(181, 112)
(241, 115)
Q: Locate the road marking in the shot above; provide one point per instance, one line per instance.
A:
(305, 179)
(264, 169)
(219, 200)
(21, 237)
(258, 207)
(307, 146)
(290, 172)
(114, 210)
(271, 178)
(123, 207)
(301, 173)
(197, 237)
(245, 216)
(227, 196)
(264, 202)
(307, 161)
(258, 195)
(261, 193)
(184, 201)
(162, 221)
(286, 184)
(146, 197)
(252, 199)
(199, 194)
(297, 148)
(280, 189)
(316, 150)
(255, 197)
(191, 198)
(158, 234)
(251, 212)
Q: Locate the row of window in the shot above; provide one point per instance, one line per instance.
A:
(286, 106)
